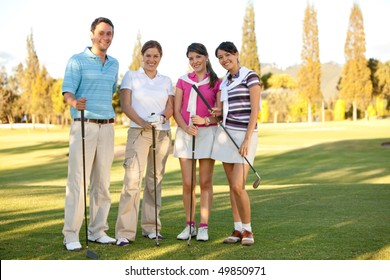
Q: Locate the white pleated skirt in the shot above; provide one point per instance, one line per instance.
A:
(224, 149)
(203, 143)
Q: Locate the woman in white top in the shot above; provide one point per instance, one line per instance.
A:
(147, 99)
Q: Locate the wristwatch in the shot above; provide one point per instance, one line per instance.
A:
(207, 121)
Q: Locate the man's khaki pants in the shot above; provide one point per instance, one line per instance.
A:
(139, 154)
(99, 154)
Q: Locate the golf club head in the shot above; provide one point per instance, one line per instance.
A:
(256, 183)
(92, 255)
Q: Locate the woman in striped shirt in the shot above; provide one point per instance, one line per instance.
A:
(240, 95)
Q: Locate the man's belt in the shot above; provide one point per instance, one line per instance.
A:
(96, 121)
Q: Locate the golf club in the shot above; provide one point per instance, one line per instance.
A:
(89, 253)
(193, 168)
(155, 178)
(257, 182)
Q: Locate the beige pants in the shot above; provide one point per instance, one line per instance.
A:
(99, 154)
(139, 154)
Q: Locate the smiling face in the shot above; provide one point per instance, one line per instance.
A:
(101, 38)
(151, 59)
(228, 61)
(197, 62)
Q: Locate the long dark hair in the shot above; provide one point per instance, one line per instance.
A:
(201, 49)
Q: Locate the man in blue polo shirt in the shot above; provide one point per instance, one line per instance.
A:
(89, 83)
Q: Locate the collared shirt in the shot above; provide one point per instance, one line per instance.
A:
(231, 77)
(148, 95)
(239, 102)
(86, 76)
(210, 94)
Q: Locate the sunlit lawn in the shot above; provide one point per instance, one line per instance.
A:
(325, 194)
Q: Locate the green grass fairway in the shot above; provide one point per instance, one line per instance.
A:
(325, 195)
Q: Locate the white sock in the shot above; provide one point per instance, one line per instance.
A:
(247, 227)
(238, 226)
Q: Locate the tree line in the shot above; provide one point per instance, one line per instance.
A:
(30, 94)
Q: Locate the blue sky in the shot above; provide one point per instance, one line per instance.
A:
(61, 28)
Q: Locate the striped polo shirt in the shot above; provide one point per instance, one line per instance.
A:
(239, 102)
(86, 76)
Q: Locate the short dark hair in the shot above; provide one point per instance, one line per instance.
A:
(151, 44)
(227, 47)
(99, 20)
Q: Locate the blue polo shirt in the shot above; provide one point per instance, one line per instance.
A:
(86, 76)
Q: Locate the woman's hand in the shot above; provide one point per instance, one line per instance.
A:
(216, 112)
(198, 120)
(192, 130)
(146, 125)
(244, 148)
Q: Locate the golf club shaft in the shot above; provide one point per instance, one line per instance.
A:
(224, 128)
(89, 253)
(84, 181)
(192, 186)
(155, 179)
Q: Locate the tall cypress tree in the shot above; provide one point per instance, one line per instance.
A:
(309, 75)
(248, 54)
(355, 84)
(30, 74)
(136, 61)
(41, 101)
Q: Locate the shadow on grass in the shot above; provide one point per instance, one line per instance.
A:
(34, 148)
(350, 161)
(314, 203)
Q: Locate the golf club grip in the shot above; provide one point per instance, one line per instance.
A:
(220, 123)
(209, 107)
(202, 97)
(82, 123)
(153, 138)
